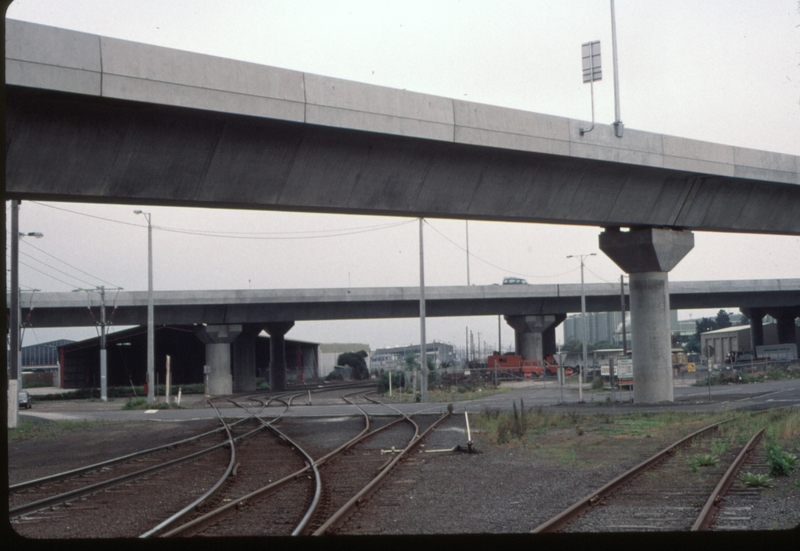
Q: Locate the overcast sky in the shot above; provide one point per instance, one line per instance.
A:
(721, 71)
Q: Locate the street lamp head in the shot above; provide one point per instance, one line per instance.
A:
(137, 212)
(35, 234)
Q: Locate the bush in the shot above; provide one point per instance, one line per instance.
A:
(781, 463)
(383, 381)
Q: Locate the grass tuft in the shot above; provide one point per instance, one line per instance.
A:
(756, 480)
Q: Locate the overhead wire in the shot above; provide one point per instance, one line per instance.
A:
(70, 265)
(54, 268)
(494, 265)
(338, 232)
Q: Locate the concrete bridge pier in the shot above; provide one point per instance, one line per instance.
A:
(244, 358)
(648, 254)
(756, 316)
(535, 336)
(787, 331)
(277, 353)
(218, 339)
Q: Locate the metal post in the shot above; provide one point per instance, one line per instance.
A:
(622, 309)
(582, 375)
(422, 345)
(618, 126)
(151, 355)
(169, 377)
(103, 364)
(14, 353)
(499, 336)
(467, 229)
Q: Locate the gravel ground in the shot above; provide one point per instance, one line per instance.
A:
(505, 489)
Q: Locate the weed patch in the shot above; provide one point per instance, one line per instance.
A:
(30, 430)
(756, 480)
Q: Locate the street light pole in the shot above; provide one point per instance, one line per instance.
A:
(151, 356)
(582, 375)
(13, 388)
(15, 375)
(423, 356)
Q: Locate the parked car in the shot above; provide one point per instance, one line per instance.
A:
(25, 399)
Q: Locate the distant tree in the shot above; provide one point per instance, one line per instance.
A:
(705, 324)
(744, 320)
(601, 345)
(676, 339)
(573, 346)
(723, 320)
(356, 360)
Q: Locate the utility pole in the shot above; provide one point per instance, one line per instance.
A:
(151, 355)
(618, 126)
(14, 374)
(423, 358)
(622, 309)
(467, 224)
(103, 364)
(582, 377)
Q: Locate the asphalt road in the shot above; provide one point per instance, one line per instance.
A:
(550, 395)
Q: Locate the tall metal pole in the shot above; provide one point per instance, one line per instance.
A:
(103, 364)
(618, 126)
(499, 333)
(582, 378)
(422, 345)
(467, 224)
(151, 352)
(622, 309)
(151, 355)
(583, 323)
(13, 380)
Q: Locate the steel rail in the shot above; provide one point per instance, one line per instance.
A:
(71, 495)
(338, 518)
(109, 462)
(712, 504)
(563, 518)
(200, 523)
(192, 506)
(208, 493)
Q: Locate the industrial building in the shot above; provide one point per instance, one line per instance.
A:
(732, 339)
(126, 358)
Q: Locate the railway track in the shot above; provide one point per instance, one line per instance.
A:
(678, 489)
(316, 498)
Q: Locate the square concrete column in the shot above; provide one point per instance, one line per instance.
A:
(218, 339)
(277, 353)
(756, 316)
(530, 331)
(244, 358)
(648, 254)
(785, 316)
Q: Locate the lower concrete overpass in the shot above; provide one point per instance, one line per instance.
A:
(224, 317)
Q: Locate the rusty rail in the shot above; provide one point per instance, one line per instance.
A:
(712, 505)
(566, 516)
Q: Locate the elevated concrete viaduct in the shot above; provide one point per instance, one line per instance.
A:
(97, 119)
(534, 311)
